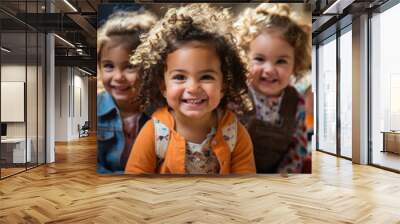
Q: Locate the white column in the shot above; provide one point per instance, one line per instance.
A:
(360, 90)
(314, 92)
(50, 94)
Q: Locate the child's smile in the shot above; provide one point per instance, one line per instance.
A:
(265, 80)
(193, 80)
(194, 102)
(121, 89)
(118, 75)
(272, 63)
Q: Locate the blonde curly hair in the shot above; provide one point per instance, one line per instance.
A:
(199, 23)
(124, 28)
(126, 25)
(252, 22)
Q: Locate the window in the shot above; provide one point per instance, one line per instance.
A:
(346, 75)
(385, 88)
(327, 96)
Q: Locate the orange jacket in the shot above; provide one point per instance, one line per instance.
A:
(309, 122)
(143, 157)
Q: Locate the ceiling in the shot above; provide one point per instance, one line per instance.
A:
(72, 20)
(76, 24)
(328, 16)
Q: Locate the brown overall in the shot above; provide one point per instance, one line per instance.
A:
(271, 142)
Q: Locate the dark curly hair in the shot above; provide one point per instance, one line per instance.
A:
(193, 23)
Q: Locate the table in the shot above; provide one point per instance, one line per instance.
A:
(13, 150)
(391, 141)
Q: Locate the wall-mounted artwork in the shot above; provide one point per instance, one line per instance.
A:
(12, 101)
(177, 97)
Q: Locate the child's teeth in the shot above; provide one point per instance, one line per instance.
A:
(194, 101)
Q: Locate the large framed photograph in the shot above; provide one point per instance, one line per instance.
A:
(204, 89)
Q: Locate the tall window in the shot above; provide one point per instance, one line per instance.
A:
(385, 88)
(327, 95)
(346, 93)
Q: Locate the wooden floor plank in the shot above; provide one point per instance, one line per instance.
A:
(70, 191)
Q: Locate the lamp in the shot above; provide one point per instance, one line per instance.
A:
(337, 7)
(70, 5)
(84, 71)
(5, 49)
(65, 41)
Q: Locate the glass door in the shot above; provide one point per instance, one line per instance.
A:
(22, 68)
(13, 103)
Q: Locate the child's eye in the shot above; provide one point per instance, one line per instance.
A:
(178, 77)
(130, 68)
(258, 59)
(108, 67)
(281, 61)
(207, 77)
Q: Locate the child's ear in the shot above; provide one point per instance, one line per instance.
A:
(163, 89)
(161, 83)
(223, 90)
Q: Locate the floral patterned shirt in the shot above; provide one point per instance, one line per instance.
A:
(200, 159)
(293, 160)
(264, 112)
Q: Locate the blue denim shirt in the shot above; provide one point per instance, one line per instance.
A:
(110, 135)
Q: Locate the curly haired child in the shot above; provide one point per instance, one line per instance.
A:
(119, 118)
(191, 57)
(277, 47)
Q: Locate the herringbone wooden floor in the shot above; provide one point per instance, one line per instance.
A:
(70, 191)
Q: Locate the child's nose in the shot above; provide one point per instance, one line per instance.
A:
(119, 75)
(193, 86)
(268, 67)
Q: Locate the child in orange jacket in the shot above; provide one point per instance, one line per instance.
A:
(191, 58)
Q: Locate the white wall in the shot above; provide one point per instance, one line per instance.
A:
(16, 72)
(33, 126)
(71, 102)
(80, 110)
(13, 72)
(61, 103)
